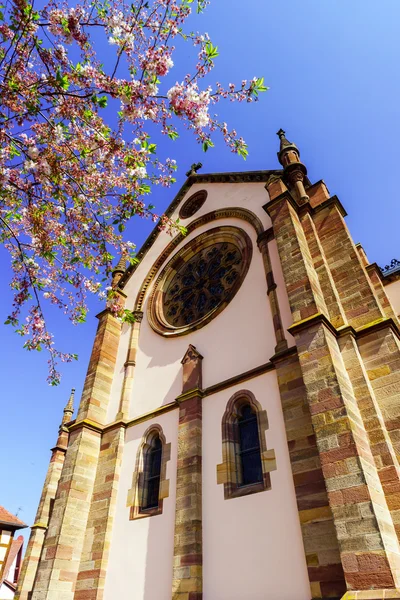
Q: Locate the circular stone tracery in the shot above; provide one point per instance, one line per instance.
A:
(193, 204)
(199, 281)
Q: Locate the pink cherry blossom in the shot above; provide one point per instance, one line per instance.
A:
(69, 181)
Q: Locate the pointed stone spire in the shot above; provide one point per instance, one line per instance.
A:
(295, 171)
(69, 407)
(288, 152)
(119, 270)
(62, 441)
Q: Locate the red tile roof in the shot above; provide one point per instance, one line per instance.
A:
(7, 518)
(15, 548)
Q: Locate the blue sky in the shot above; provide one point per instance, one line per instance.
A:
(332, 68)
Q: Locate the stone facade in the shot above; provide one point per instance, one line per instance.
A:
(334, 362)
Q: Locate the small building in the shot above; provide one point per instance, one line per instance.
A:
(10, 553)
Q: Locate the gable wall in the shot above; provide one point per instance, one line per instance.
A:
(240, 338)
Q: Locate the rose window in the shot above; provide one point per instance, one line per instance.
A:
(200, 280)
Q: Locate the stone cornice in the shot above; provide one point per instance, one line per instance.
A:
(283, 355)
(284, 196)
(222, 385)
(145, 417)
(334, 200)
(86, 424)
(374, 268)
(193, 393)
(367, 329)
(309, 322)
(39, 525)
(229, 177)
(62, 449)
(306, 208)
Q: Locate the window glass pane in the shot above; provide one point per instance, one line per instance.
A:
(248, 434)
(155, 462)
(152, 492)
(251, 467)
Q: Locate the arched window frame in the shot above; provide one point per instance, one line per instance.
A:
(229, 471)
(137, 493)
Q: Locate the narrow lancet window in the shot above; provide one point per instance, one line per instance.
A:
(247, 463)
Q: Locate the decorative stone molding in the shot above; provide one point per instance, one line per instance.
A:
(226, 240)
(224, 213)
(227, 471)
(135, 494)
(193, 204)
(240, 177)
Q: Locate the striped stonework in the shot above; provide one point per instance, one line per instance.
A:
(62, 551)
(95, 552)
(321, 546)
(187, 583)
(332, 300)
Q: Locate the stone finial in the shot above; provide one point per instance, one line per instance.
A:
(69, 407)
(119, 270)
(288, 152)
(194, 168)
(294, 170)
(192, 370)
(283, 141)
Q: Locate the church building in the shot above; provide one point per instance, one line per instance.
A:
(240, 439)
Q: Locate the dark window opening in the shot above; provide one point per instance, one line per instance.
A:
(152, 475)
(249, 454)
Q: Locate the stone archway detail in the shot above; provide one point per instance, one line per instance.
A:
(224, 213)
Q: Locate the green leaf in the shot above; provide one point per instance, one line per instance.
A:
(14, 150)
(172, 134)
(62, 80)
(211, 51)
(102, 101)
(242, 150)
(259, 86)
(207, 144)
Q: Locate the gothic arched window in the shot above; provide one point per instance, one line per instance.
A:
(246, 462)
(149, 483)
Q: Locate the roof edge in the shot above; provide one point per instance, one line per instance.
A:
(225, 177)
(14, 525)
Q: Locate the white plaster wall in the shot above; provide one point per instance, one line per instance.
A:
(240, 338)
(252, 546)
(141, 553)
(252, 196)
(393, 292)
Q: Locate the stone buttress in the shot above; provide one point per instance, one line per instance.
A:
(38, 530)
(84, 472)
(347, 341)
